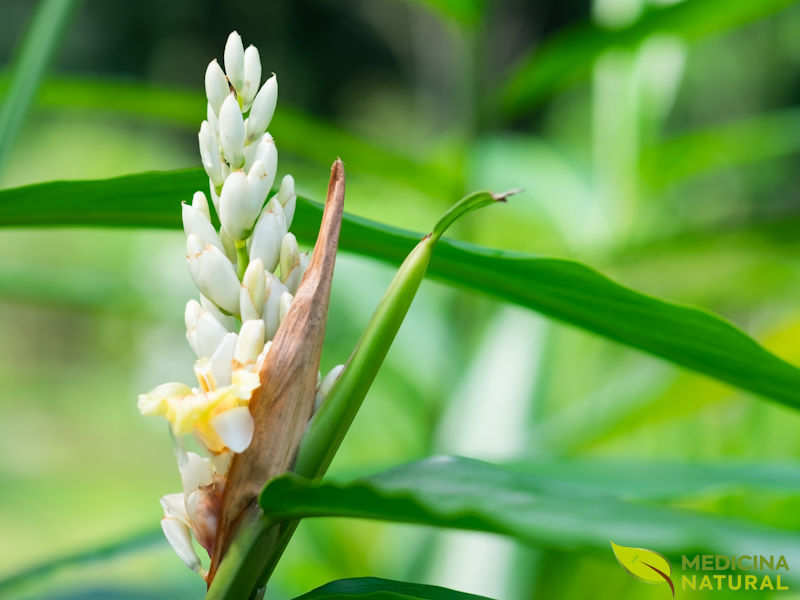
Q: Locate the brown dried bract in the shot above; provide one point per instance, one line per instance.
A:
(282, 405)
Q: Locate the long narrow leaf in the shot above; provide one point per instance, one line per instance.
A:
(467, 494)
(570, 55)
(721, 146)
(32, 59)
(562, 289)
(292, 128)
(374, 588)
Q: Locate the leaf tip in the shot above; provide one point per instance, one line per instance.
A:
(504, 196)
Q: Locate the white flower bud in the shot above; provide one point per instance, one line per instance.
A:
(228, 322)
(252, 75)
(205, 333)
(196, 222)
(213, 120)
(209, 154)
(231, 132)
(287, 198)
(220, 363)
(326, 384)
(250, 342)
(254, 281)
(174, 507)
(199, 202)
(267, 235)
(178, 536)
(259, 181)
(192, 314)
(237, 211)
(271, 312)
(295, 276)
(286, 302)
(216, 85)
(196, 471)
(213, 274)
(235, 428)
(263, 108)
(267, 153)
(247, 309)
(234, 60)
(290, 256)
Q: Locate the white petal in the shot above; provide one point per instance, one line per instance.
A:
(213, 274)
(234, 60)
(259, 181)
(290, 255)
(197, 223)
(236, 212)
(209, 154)
(231, 132)
(208, 335)
(178, 536)
(247, 310)
(267, 153)
(226, 321)
(329, 379)
(271, 312)
(220, 362)
(235, 428)
(192, 313)
(252, 74)
(155, 402)
(263, 108)
(255, 281)
(196, 471)
(288, 198)
(216, 85)
(250, 342)
(200, 203)
(174, 506)
(266, 241)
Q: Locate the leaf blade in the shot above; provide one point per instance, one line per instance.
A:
(462, 493)
(374, 588)
(561, 289)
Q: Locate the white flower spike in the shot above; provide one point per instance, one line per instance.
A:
(240, 309)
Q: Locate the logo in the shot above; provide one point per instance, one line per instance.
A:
(646, 565)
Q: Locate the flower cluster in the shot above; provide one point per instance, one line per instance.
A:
(246, 273)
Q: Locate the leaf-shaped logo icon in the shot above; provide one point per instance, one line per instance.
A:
(644, 564)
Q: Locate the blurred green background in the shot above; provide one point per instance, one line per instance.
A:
(662, 151)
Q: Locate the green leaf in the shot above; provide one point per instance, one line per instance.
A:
(31, 61)
(569, 56)
(372, 588)
(562, 289)
(292, 128)
(137, 542)
(721, 146)
(461, 493)
(662, 481)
